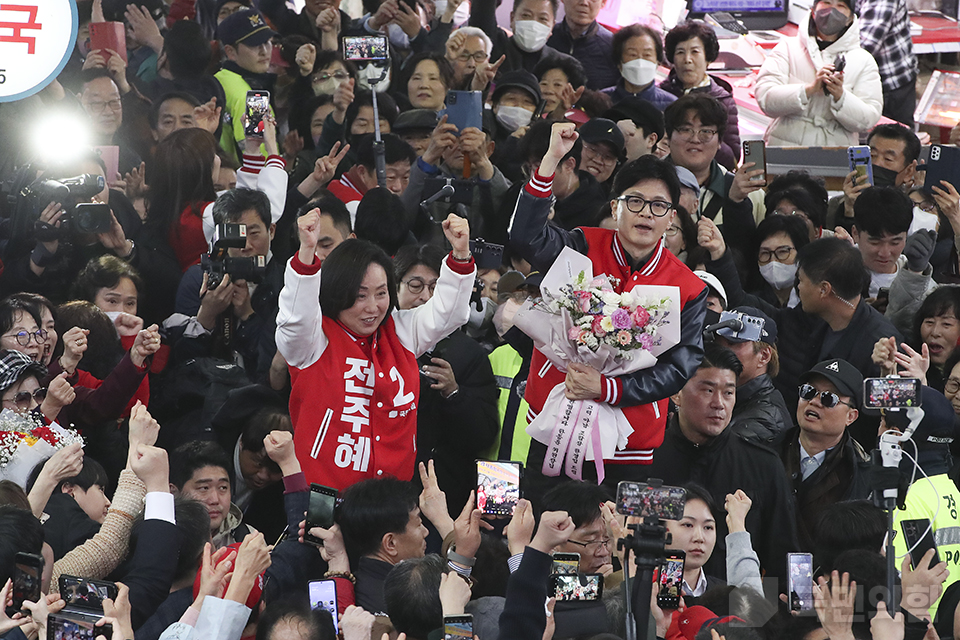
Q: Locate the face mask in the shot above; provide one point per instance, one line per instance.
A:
(326, 87)
(461, 15)
(530, 35)
(513, 118)
(829, 22)
(639, 72)
(367, 78)
(113, 315)
(923, 221)
(779, 275)
(883, 177)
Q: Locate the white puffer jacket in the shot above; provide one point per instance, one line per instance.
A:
(818, 120)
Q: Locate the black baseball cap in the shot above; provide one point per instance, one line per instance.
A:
(244, 27)
(597, 130)
(845, 377)
(641, 112)
(768, 333)
(517, 79)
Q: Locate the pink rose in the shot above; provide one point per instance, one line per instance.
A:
(584, 299)
(597, 327)
(621, 319)
(640, 317)
(573, 333)
(624, 337)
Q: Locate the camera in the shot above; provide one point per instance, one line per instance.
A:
(80, 216)
(219, 264)
(486, 254)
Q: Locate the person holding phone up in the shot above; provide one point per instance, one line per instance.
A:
(821, 87)
(341, 329)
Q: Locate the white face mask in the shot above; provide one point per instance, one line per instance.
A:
(779, 275)
(513, 118)
(366, 76)
(639, 72)
(923, 220)
(460, 16)
(530, 35)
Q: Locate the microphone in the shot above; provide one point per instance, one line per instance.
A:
(446, 191)
(733, 323)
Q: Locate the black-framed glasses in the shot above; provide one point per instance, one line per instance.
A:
(671, 231)
(478, 57)
(416, 285)
(703, 135)
(636, 204)
(22, 399)
(952, 385)
(595, 544)
(782, 253)
(827, 398)
(23, 337)
(926, 206)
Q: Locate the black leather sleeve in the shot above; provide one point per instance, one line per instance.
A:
(534, 237)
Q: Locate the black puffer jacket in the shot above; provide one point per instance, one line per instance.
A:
(760, 414)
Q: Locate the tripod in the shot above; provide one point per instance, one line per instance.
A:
(646, 542)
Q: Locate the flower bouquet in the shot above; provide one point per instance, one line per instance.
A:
(582, 318)
(25, 441)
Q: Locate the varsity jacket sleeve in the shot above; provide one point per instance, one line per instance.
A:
(300, 337)
(269, 176)
(673, 368)
(420, 329)
(524, 616)
(531, 235)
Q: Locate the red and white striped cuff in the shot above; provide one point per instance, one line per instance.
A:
(539, 186)
(633, 456)
(611, 390)
(276, 161)
(252, 163)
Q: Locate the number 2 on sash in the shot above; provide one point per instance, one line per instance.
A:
(401, 398)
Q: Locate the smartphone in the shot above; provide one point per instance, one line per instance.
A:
(258, 107)
(756, 151)
(323, 595)
(498, 487)
(918, 535)
(943, 164)
(85, 593)
(464, 109)
(27, 575)
(671, 579)
(365, 47)
(109, 35)
(642, 500)
(577, 586)
(458, 627)
(891, 393)
(800, 581)
(320, 510)
(62, 626)
(566, 563)
(859, 157)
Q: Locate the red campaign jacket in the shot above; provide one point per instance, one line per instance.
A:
(354, 399)
(663, 268)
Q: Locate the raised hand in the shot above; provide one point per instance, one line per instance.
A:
(485, 73)
(119, 612)
(135, 186)
(433, 501)
(59, 395)
(443, 138)
(74, 346)
(214, 572)
(279, 447)
(145, 345)
(144, 27)
(834, 604)
(326, 166)
(207, 115)
(356, 623)
(710, 238)
(144, 429)
(555, 528)
(744, 182)
(454, 593)
(519, 531)
(151, 466)
(308, 228)
(307, 53)
(467, 528)
(738, 506)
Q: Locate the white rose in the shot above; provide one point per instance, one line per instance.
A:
(608, 309)
(611, 298)
(627, 299)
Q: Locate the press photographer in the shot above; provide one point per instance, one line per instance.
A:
(226, 306)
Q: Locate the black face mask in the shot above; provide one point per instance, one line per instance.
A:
(883, 177)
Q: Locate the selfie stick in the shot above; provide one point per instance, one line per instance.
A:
(890, 455)
(379, 155)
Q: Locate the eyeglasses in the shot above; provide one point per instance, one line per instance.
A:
(478, 57)
(927, 207)
(23, 337)
(337, 75)
(98, 107)
(636, 204)
(520, 296)
(595, 544)
(416, 285)
(22, 399)
(599, 153)
(703, 135)
(952, 385)
(671, 231)
(827, 398)
(782, 253)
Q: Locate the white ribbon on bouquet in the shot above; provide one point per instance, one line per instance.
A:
(576, 431)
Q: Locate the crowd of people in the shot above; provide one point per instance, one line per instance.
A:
(229, 304)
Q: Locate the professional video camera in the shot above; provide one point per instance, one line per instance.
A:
(80, 216)
(219, 263)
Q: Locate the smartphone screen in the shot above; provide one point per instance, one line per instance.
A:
(800, 581)
(498, 487)
(27, 576)
(365, 48)
(86, 593)
(918, 536)
(258, 106)
(638, 499)
(891, 393)
(320, 510)
(458, 627)
(671, 580)
(583, 586)
(323, 595)
(566, 563)
(75, 626)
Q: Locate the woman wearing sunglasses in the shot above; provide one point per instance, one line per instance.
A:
(20, 388)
